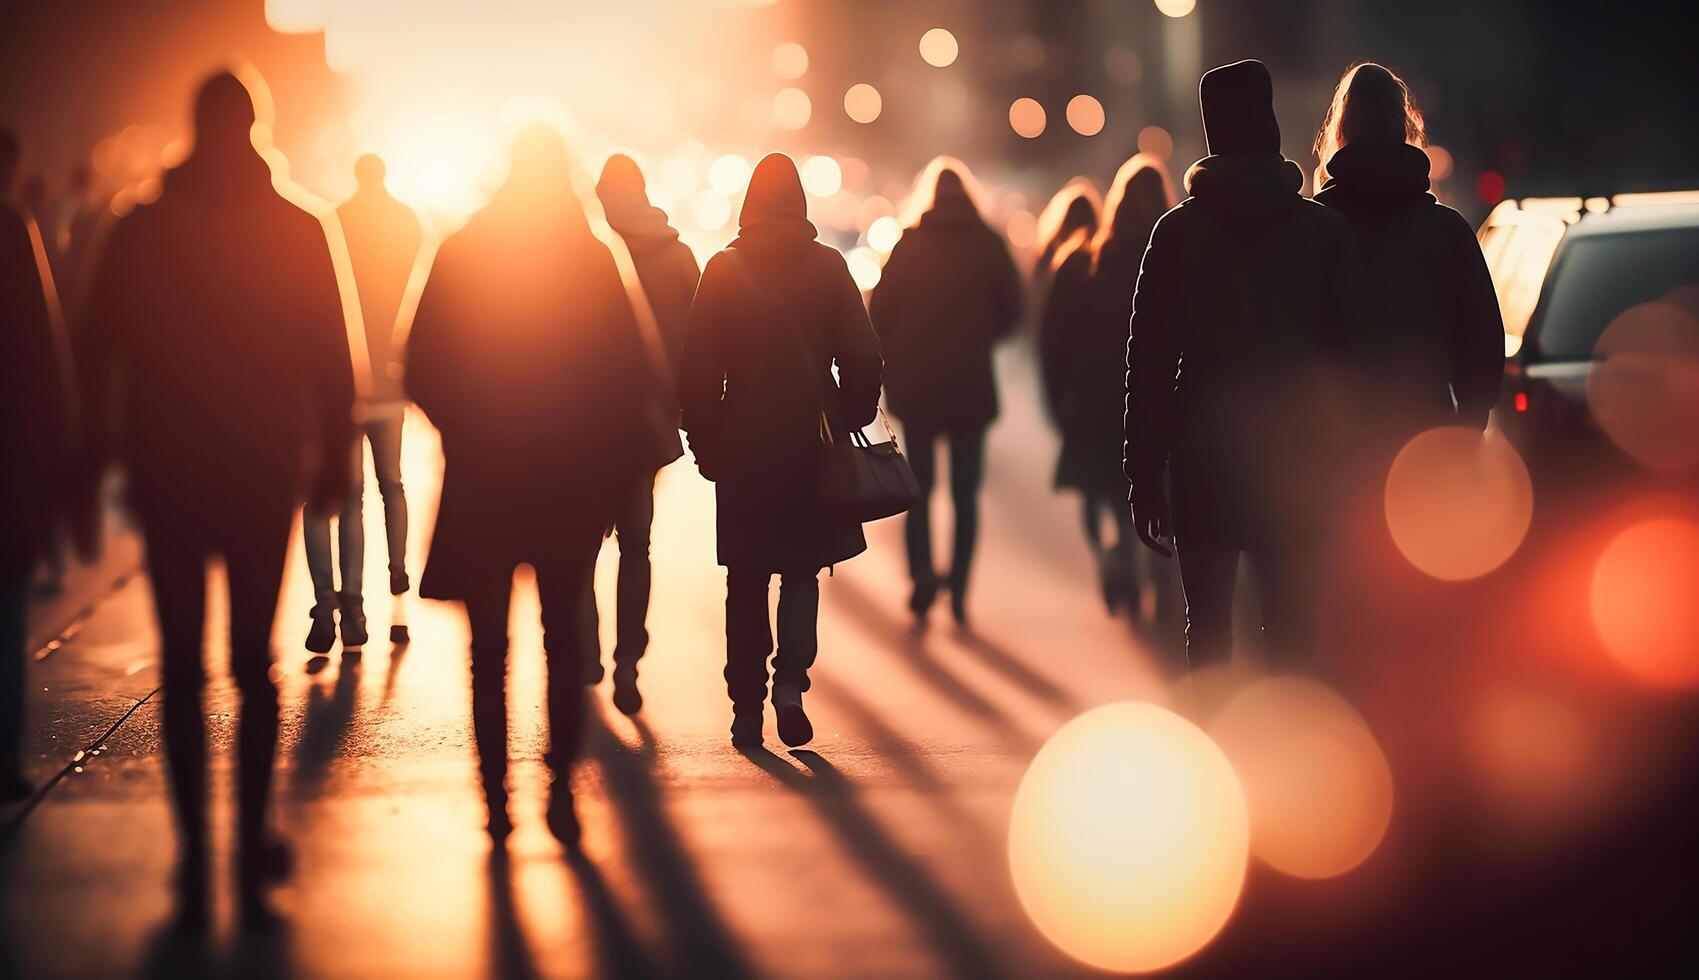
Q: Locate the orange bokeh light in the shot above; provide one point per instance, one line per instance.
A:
(1458, 502)
(1644, 604)
(1026, 116)
(1128, 838)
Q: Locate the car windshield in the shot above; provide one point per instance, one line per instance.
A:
(1598, 277)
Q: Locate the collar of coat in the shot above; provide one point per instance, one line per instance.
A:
(1246, 185)
(1376, 176)
(775, 229)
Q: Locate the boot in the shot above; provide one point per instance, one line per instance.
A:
(746, 725)
(322, 636)
(794, 726)
(627, 698)
(353, 622)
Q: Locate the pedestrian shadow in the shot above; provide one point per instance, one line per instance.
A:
(1000, 659)
(397, 653)
(908, 884)
(174, 952)
(325, 725)
(510, 953)
(702, 943)
(909, 646)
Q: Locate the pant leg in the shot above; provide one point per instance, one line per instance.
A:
(321, 566)
(351, 530)
(560, 588)
(634, 574)
(254, 569)
(749, 637)
(799, 639)
(1288, 581)
(917, 524)
(486, 615)
(177, 571)
(14, 638)
(1209, 573)
(967, 472)
(1090, 505)
(385, 437)
(587, 624)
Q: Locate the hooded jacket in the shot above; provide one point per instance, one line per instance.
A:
(949, 293)
(1432, 350)
(666, 268)
(775, 311)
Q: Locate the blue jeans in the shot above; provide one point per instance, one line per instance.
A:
(385, 436)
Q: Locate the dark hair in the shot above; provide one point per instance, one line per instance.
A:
(1140, 193)
(1370, 105)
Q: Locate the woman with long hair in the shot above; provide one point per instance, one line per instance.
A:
(949, 294)
(1432, 352)
(1082, 348)
(1068, 219)
(775, 312)
(527, 355)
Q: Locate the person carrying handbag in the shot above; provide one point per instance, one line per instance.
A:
(775, 311)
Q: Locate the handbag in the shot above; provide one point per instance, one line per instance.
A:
(856, 479)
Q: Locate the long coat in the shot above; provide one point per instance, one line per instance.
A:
(1246, 309)
(35, 408)
(948, 294)
(774, 312)
(1431, 351)
(526, 357)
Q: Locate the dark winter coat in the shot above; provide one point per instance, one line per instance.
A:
(1245, 307)
(1432, 347)
(775, 311)
(215, 352)
(35, 397)
(949, 293)
(665, 266)
(526, 355)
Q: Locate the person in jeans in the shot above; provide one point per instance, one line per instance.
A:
(383, 245)
(775, 311)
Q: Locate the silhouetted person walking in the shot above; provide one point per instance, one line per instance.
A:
(383, 238)
(1432, 347)
(949, 293)
(1245, 302)
(1069, 219)
(36, 443)
(527, 357)
(774, 312)
(1082, 348)
(215, 346)
(667, 271)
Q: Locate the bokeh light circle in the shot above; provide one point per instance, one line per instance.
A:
(1085, 115)
(1317, 785)
(863, 103)
(1026, 117)
(864, 267)
(1643, 385)
(790, 60)
(791, 108)
(1155, 141)
(1176, 8)
(1458, 502)
(821, 176)
(1645, 601)
(938, 48)
(1128, 841)
(883, 233)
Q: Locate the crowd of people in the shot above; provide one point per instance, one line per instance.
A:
(1221, 370)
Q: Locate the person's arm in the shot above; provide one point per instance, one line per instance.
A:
(701, 383)
(885, 301)
(1154, 349)
(1006, 287)
(855, 348)
(428, 359)
(1477, 341)
(1062, 312)
(331, 363)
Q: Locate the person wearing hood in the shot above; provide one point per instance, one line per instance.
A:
(775, 312)
(214, 359)
(1082, 348)
(526, 354)
(383, 237)
(948, 295)
(1433, 352)
(667, 272)
(1245, 306)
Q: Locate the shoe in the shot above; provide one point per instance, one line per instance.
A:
(267, 863)
(562, 818)
(398, 634)
(14, 788)
(794, 726)
(353, 622)
(920, 600)
(746, 727)
(399, 583)
(627, 698)
(322, 636)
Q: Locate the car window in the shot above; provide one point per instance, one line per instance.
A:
(1518, 255)
(1598, 277)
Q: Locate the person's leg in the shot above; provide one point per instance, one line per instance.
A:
(917, 524)
(1288, 581)
(486, 615)
(351, 540)
(634, 575)
(560, 587)
(321, 567)
(254, 572)
(14, 632)
(749, 641)
(799, 642)
(967, 471)
(177, 573)
(385, 436)
(586, 632)
(1209, 573)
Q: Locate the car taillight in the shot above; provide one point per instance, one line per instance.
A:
(1521, 401)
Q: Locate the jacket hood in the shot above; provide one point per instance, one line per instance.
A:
(774, 207)
(642, 225)
(1238, 109)
(1245, 186)
(1370, 175)
(220, 174)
